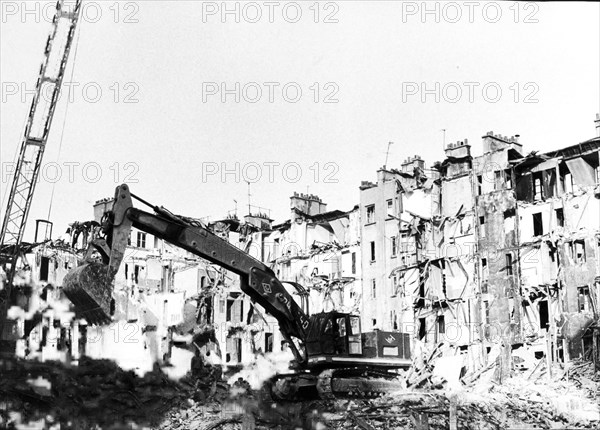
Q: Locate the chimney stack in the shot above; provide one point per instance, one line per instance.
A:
(308, 203)
(259, 220)
(102, 206)
(495, 142)
(597, 122)
(459, 149)
(410, 164)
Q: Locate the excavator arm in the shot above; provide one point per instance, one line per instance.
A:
(333, 357)
(256, 279)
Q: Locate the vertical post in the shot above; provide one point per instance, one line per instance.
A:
(478, 274)
(549, 340)
(596, 347)
(75, 340)
(566, 356)
(453, 415)
(249, 211)
(565, 343)
(549, 355)
(387, 153)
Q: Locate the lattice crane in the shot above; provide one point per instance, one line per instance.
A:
(35, 137)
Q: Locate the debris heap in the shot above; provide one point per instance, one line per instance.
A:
(94, 394)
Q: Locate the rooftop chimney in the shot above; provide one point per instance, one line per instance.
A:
(410, 163)
(597, 122)
(259, 220)
(496, 142)
(308, 203)
(102, 206)
(459, 149)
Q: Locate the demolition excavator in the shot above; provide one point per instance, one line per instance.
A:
(332, 356)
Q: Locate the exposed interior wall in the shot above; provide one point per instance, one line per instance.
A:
(560, 221)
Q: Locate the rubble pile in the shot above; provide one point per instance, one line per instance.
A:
(97, 394)
(94, 394)
(517, 403)
(209, 415)
(530, 399)
(248, 410)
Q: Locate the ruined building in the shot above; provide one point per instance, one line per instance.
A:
(319, 250)
(243, 329)
(538, 228)
(558, 206)
(399, 239)
(43, 325)
(487, 253)
(479, 247)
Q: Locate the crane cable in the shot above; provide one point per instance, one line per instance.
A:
(62, 131)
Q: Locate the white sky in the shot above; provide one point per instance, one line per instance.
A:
(371, 55)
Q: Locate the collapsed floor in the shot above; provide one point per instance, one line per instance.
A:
(97, 394)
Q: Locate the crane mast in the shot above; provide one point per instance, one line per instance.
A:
(35, 137)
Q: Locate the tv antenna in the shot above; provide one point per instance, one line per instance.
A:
(387, 153)
(249, 211)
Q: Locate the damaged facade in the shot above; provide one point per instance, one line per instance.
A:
(316, 254)
(559, 211)
(320, 250)
(242, 328)
(487, 254)
(397, 237)
(497, 245)
(44, 328)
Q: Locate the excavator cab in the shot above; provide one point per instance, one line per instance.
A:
(334, 333)
(335, 338)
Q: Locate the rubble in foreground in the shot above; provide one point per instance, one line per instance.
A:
(97, 394)
(525, 401)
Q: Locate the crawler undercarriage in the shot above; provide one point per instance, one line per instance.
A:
(361, 382)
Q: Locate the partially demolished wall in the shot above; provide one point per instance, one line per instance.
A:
(494, 252)
(560, 212)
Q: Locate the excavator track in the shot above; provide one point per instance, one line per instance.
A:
(333, 384)
(324, 385)
(292, 387)
(357, 383)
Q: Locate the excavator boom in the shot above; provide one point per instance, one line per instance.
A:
(334, 357)
(256, 279)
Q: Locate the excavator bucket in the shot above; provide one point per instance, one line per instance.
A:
(89, 288)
